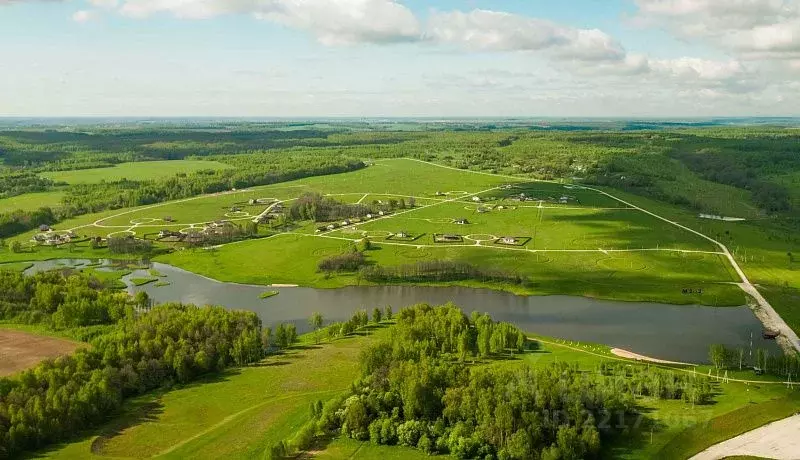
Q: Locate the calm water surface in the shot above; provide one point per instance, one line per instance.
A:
(666, 331)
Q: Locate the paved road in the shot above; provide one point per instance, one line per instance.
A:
(779, 440)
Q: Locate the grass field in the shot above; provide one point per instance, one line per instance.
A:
(144, 170)
(31, 201)
(242, 412)
(591, 245)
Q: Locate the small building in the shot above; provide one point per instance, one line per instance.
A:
(501, 207)
(441, 194)
(461, 221)
(381, 213)
(322, 229)
(450, 237)
(331, 227)
(402, 235)
(508, 240)
(476, 199)
(44, 228)
(168, 234)
(368, 216)
(563, 200)
(346, 222)
(235, 209)
(252, 201)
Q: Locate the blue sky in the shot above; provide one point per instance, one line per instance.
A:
(637, 58)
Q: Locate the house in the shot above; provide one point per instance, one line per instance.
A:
(563, 200)
(346, 222)
(235, 209)
(168, 233)
(482, 210)
(508, 240)
(331, 227)
(476, 199)
(194, 238)
(322, 229)
(501, 207)
(168, 219)
(44, 228)
(402, 235)
(461, 221)
(381, 213)
(441, 194)
(252, 201)
(449, 237)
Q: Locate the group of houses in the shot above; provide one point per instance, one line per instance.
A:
(348, 222)
(49, 237)
(275, 211)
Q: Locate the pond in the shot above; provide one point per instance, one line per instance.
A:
(673, 332)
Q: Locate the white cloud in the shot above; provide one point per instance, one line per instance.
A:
(333, 22)
(755, 29)
(337, 22)
(83, 16)
(104, 3)
(486, 30)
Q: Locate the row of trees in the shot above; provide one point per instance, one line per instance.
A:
(782, 365)
(437, 271)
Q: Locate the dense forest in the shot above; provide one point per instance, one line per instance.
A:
(419, 388)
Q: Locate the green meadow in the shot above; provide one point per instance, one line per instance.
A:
(31, 201)
(242, 412)
(592, 245)
(145, 170)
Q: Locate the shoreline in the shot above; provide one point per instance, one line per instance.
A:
(619, 352)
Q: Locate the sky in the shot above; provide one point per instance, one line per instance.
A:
(400, 58)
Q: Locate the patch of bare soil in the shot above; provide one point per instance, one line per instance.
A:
(21, 350)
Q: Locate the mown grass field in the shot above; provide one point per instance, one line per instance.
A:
(31, 201)
(241, 413)
(144, 170)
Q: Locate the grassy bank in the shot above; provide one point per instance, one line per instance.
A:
(242, 412)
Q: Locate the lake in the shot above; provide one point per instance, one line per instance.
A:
(681, 333)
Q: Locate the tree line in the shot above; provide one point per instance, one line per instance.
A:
(437, 271)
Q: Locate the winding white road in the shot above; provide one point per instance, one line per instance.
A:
(765, 312)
